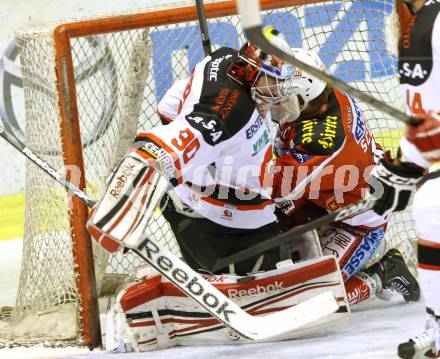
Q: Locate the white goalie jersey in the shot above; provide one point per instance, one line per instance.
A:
(215, 147)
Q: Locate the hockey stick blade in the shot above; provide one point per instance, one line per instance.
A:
(290, 235)
(249, 11)
(195, 286)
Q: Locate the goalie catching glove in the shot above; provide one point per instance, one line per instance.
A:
(394, 184)
(133, 193)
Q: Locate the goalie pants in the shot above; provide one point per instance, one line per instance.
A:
(212, 237)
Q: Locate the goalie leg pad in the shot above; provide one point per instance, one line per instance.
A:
(121, 217)
(157, 315)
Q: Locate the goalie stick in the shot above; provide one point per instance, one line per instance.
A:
(195, 286)
(249, 12)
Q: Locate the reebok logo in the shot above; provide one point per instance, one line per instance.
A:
(42, 164)
(191, 284)
(259, 289)
(121, 179)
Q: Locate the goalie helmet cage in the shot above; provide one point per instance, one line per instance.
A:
(91, 84)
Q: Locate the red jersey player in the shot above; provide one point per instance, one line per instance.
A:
(324, 158)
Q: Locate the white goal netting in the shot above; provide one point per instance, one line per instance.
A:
(119, 78)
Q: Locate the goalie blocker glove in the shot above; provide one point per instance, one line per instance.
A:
(393, 185)
(133, 193)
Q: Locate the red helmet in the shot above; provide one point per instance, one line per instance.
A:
(274, 74)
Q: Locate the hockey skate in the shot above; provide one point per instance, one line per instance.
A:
(395, 276)
(424, 345)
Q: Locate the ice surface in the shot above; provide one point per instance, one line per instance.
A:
(373, 332)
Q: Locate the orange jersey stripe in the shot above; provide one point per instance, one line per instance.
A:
(428, 267)
(430, 244)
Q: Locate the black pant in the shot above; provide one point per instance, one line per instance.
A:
(222, 241)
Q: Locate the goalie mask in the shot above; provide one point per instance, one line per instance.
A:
(268, 77)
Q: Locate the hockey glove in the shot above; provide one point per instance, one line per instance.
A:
(394, 185)
(121, 217)
(426, 136)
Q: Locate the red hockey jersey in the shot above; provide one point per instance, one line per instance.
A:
(327, 160)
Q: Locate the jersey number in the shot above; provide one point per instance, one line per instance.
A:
(187, 144)
(414, 104)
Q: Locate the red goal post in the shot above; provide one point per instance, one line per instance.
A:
(106, 68)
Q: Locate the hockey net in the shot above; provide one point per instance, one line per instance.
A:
(91, 84)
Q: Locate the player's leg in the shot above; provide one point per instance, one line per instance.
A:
(426, 213)
(354, 247)
(394, 276)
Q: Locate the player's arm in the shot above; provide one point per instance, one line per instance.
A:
(165, 155)
(172, 102)
(422, 143)
(395, 181)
